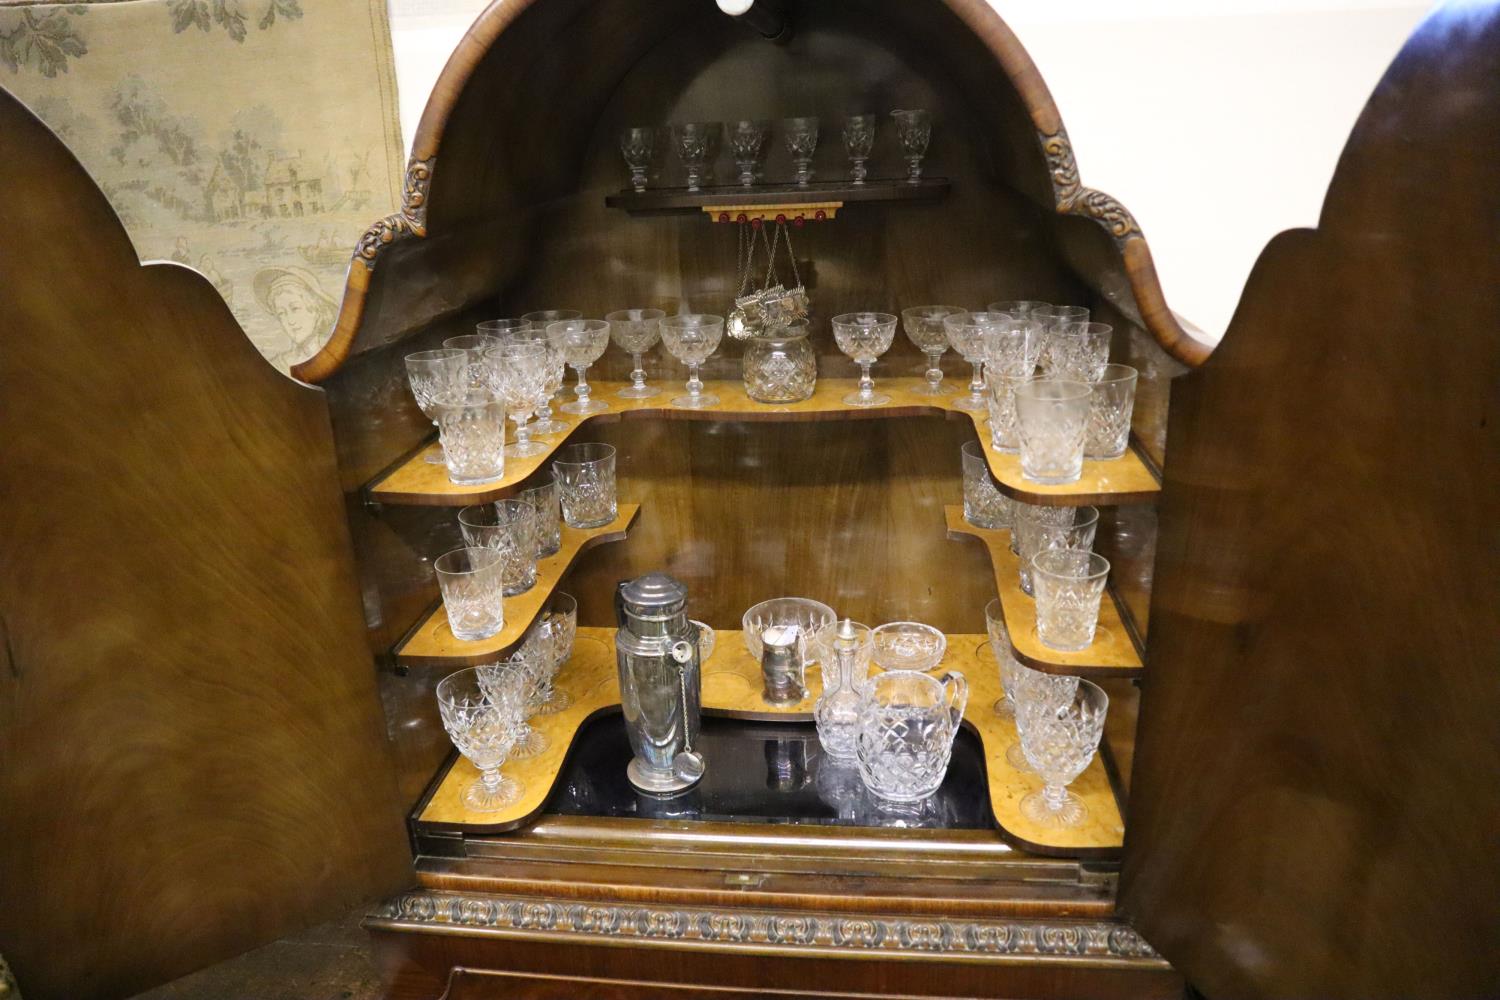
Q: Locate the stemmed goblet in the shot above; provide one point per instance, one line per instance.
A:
(965, 332)
(1059, 739)
(519, 371)
(557, 369)
(524, 671)
(924, 328)
(430, 373)
(697, 146)
(801, 137)
(747, 142)
(474, 345)
(859, 139)
(581, 342)
(864, 337)
(691, 338)
(638, 145)
(552, 639)
(636, 331)
(914, 131)
(483, 722)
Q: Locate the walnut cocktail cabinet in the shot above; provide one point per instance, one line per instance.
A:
(1298, 640)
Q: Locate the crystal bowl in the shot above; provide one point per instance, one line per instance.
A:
(909, 646)
(813, 617)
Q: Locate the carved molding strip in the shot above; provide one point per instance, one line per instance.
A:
(410, 221)
(855, 933)
(1075, 199)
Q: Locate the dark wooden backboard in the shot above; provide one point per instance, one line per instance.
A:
(1315, 809)
(192, 758)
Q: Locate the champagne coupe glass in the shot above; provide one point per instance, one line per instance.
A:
(483, 726)
(691, 338)
(864, 337)
(557, 373)
(581, 342)
(638, 145)
(965, 332)
(636, 331)
(697, 145)
(914, 130)
(924, 328)
(474, 345)
(747, 141)
(522, 670)
(433, 372)
(859, 139)
(519, 371)
(1059, 742)
(801, 137)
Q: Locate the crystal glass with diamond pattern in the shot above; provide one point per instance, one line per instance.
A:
(965, 332)
(1038, 529)
(473, 591)
(1059, 742)
(523, 669)
(581, 342)
(585, 476)
(859, 140)
(552, 640)
(1069, 586)
(747, 144)
(1110, 408)
(544, 498)
(691, 338)
(864, 337)
(471, 429)
(1000, 392)
(1049, 316)
(1029, 688)
(510, 528)
(431, 372)
(907, 724)
(1077, 351)
(518, 371)
(638, 145)
(1010, 346)
(697, 147)
(474, 345)
(1000, 648)
(913, 131)
(557, 367)
(984, 505)
(780, 367)
(483, 725)
(1052, 417)
(924, 328)
(636, 331)
(1019, 308)
(801, 137)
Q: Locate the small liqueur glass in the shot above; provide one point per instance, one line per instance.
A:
(747, 144)
(432, 372)
(471, 429)
(544, 498)
(636, 331)
(553, 634)
(914, 131)
(524, 670)
(1077, 351)
(984, 505)
(864, 337)
(472, 583)
(908, 646)
(586, 482)
(1069, 586)
(1041, 529)
(474, 345)
(638, 145)
(1059, 742)
(557, 370)
(510, 528)
(965, 332)
(483, 725)
(518, 371)
(697, 145)
(801, 138)
(1110, 408)
(1052, 418)
(1019, 308)
(924, 328)
(691, 338)
(859, 140)
(582, 342)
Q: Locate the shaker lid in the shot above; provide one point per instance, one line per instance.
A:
(653, 593)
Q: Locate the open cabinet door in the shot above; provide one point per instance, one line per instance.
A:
(1316, 803)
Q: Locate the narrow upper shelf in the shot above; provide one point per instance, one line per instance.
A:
(731, 196)
(1113, 653)
(732, 686)
(432, 643)
(1122, 480)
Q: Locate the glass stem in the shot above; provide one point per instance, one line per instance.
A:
(638, 376)
(934, 369)
(491, 778)
(523, 434)
(638, 177)
(581, 390)
(695, 384)
(1056, 796)
(747, 173)
(915, 171)
(976, 384)
(866, 383)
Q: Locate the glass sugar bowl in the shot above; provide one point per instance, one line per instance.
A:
(780, 366)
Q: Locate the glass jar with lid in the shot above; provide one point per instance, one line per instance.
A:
(780, 365)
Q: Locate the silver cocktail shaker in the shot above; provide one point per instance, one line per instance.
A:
(656, 652)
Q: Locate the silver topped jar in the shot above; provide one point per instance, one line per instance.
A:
(780, 366)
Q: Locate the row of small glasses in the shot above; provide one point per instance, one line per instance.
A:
(1059, 723)
(486, 710)
(698, 144)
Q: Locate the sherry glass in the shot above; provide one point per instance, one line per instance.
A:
(859, 139)
(544, 497)
(984, 505)
(1052, 417)
(508, 527)
(864, 337)
(483, 723)
(691, 338)
(924, 328)
(1110, 409)
(747, 142)
(1059, 742)
(914, 131)
(557, 368)
(638, 145)
(585, 476)
(472, 584)
(522, 669)
(1069, 586)
(1040, 529)
(965, 332)
(474, 345)
(697, 145)
(581, 342)
(518, 369)
(801, 137)
(636, 331)
(433, 372)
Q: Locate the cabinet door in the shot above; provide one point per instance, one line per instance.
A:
(1315, 809)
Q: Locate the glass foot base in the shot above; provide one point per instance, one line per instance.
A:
(1073, 812)
(1005, 708)
(927, 389)
(436, 458)
(1016, 758)
(975, 404)
(592, 406)
(696, 402)
(1051, 480)
(482, 481)
(874, 399)
(644, 392)
(560, 700)
(512, 589)
(549, 426)
(482, 798)
(530, 745)
(524, 450)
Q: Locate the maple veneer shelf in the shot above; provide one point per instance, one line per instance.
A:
(731, 687)
(1113, 653)
(432, 643)
(1122, 480)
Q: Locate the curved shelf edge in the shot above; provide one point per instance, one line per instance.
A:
(432, 644)
(1113, 652)
(731, 687)
(1128, 479)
